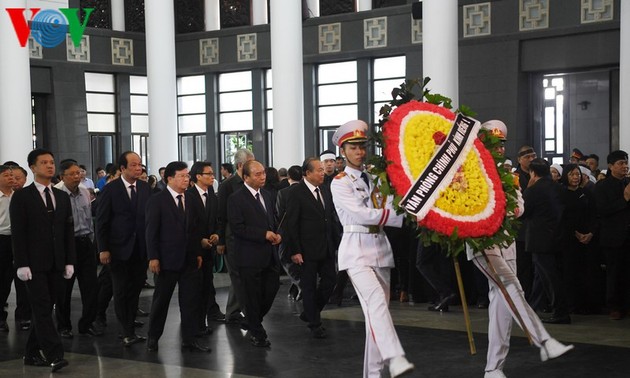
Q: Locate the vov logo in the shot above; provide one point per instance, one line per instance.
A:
(49, 27)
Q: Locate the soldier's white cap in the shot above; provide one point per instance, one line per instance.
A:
(497, 128)
(351, 132)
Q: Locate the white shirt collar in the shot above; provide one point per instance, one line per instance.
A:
(41, 187)
(251, 190)
(310, 186)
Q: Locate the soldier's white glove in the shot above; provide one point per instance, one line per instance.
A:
(69, 271)
(24, 273)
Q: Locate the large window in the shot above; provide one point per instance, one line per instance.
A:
(191, 118)
(235, 113)
(139, 116)
(100, 93)
(336, 99)
(553, 120)
(388, 73)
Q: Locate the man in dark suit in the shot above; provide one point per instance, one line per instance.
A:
(543, 212)
(312, 241)
(251, 213)
(202, 199)
(226, 239)
(174, 232)
(293, 270)
(43, 251)
(120, 234)
(612, 196)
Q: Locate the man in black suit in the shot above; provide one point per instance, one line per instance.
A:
(251, 213)
(226, 238)
(612, 195)
(312, 241)
(174, 232)
(543, 212)
(292, 269)
(202, 199)
(42, 232)
(120, 235)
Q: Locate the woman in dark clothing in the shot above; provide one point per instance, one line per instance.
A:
(579, 263)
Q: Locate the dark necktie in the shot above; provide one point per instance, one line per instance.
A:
(49, 203)
(134, 198)
(260, 202)
(207, 202)
(364, 176)
(180, 204)
(319, 199)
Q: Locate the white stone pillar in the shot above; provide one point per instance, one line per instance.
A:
(288, 88)
(162, 85)
(440, 47)
(16, 127)
(212, 11)
(118, 15)
(624, 77)
(259, 12)
(364, 5)
(313, 7)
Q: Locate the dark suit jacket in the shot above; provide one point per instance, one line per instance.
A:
(174, 239)
(613, 212)
(226, 189)
(249, 224)
(117, 224)
(309, 226)
(207, 216)
(39, 243)
(543, 212)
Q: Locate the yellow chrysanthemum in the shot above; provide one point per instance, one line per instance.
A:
(418, 139)
(467, 198)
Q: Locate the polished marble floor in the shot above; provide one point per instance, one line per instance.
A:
(435, 342)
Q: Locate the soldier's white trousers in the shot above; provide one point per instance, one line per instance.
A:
(381, 340)
(499, 312)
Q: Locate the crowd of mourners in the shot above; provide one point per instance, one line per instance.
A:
(573, 248)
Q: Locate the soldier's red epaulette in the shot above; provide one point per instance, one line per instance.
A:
(340, 175)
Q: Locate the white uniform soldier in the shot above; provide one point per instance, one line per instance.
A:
(499, 313)
(365, 252)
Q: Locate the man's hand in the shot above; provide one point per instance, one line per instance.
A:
(68, 272)
(154, 266)
(105, 257)
(626, 192)
(273, 238)
(220, 249)
(199, 262)
(297, 259)
(214, 239)
(24, 273)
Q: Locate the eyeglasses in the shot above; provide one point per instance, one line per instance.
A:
(182, 176)
(206, 174)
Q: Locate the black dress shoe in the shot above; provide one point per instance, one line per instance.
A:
(195, 347)
(147, 285)
(218, 317)
(92, 331)
(4, 327)
(319, 333)
(35, 361)
(261, 342)
(141, 313)
(152, 344)
(57, 364)
(25, 325)
(205, 331)
(129, 341)
(442, 305)
(66, 334)
(138, 323)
